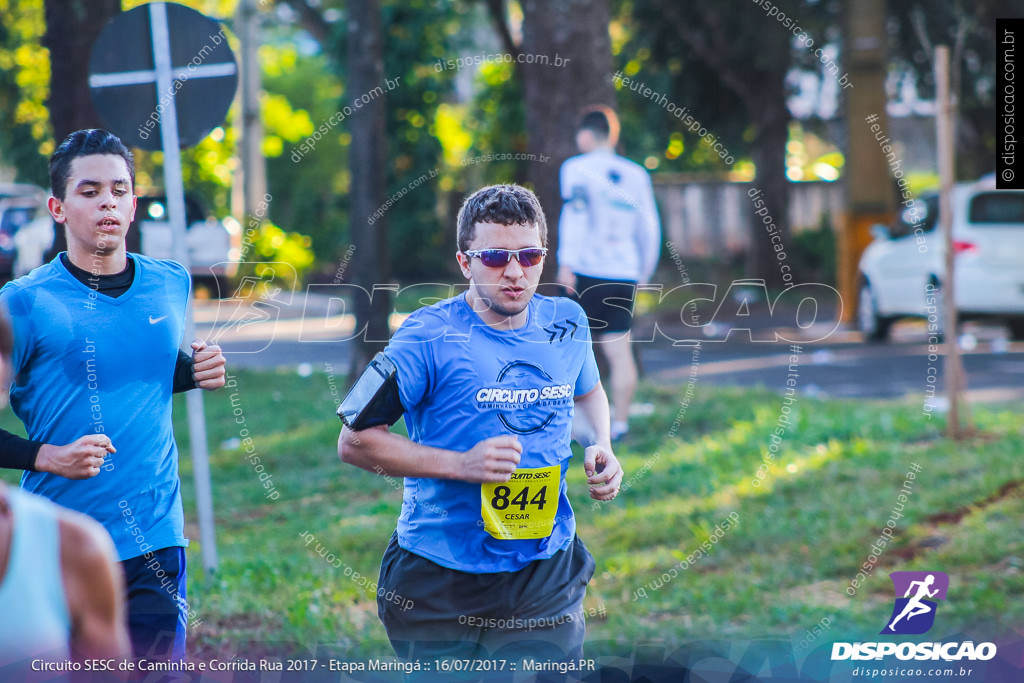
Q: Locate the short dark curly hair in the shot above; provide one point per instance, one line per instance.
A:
(501, 204)
(84, 143)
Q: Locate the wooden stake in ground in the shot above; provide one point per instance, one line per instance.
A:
(944, 113)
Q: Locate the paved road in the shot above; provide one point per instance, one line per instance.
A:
(315, 332)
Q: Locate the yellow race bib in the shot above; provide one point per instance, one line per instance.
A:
(524, 507)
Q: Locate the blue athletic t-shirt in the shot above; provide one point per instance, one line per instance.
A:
(461, 382)
(88, 363)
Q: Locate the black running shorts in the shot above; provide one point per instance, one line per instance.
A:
(438, 613)
(607, 303)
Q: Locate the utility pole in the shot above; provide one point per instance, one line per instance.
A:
(945, 109)
(252, 170)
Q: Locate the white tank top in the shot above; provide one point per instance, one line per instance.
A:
(34, 619)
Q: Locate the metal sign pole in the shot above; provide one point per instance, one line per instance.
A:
(176, 214)
(944, 131)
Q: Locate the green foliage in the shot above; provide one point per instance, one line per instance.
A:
(25, 136)
(969, 29)
(647, 47)
(295, 85)
(303, 93)
(498, 122)
(415, 32)
(315, 184)
(272, 244)
(432, 128)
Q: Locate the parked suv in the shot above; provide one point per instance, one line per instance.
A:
(899, 268)
(213, 248)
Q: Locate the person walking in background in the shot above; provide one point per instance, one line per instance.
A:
(609, 239)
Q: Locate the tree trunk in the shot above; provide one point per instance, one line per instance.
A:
(71, 28)
(370, 264)
(573, 37)
(768, 153)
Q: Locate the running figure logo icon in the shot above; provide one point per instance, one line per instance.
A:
(914, 612)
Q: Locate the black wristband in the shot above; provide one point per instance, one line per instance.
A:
(17, 453)
(184, 379)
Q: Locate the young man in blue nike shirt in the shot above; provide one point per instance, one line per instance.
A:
(495, 383)
(97, 334)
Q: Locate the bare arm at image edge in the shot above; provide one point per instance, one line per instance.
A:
(95, 590)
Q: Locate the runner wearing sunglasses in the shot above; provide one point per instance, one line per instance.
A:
(499, 258)
(485, 562)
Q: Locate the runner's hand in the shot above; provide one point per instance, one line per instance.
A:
(208, 365)
(604, 485)
(491, 460)
(80, 459)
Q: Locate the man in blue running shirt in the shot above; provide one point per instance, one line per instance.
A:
(495, 383)
(97, 335)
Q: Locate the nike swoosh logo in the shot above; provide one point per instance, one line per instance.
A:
(154, 321)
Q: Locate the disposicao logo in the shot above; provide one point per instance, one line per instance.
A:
(917, 594)
(916, 601)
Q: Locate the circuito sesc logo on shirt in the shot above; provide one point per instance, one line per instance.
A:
(526, 397)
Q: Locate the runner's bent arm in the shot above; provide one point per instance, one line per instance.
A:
(80, 459)
(591, 427)
(376, 449)
(591, 424)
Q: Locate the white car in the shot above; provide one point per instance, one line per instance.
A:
(899, 270)
(213, 246)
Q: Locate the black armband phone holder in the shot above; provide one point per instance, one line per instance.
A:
(373, 399)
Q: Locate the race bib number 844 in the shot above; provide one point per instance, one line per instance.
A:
(524, 507)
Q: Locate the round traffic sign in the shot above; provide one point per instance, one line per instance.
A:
(124, 74)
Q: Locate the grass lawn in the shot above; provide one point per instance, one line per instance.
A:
(780, 571)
